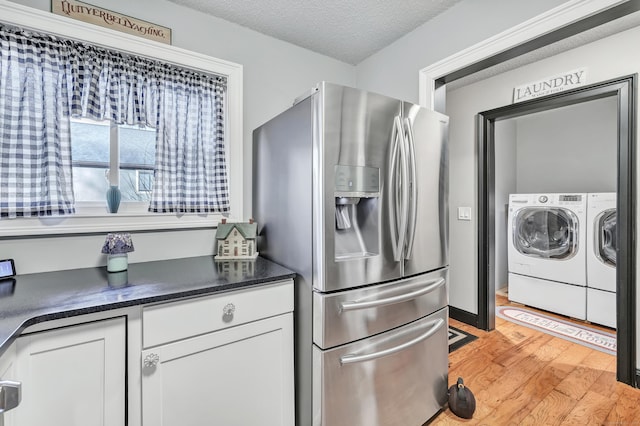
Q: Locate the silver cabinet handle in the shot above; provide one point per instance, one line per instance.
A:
(10, 395)
(151, 360)
(352, 358)
(228, 311)
(353, 305)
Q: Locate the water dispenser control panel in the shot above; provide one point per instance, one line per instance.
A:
(357, 181)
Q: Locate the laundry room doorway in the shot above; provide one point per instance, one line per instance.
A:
(530, 154)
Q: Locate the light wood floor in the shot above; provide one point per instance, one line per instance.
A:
(521, 376)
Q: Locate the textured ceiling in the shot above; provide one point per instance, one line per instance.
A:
(347, 30)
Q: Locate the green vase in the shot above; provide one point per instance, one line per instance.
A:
(113, 199)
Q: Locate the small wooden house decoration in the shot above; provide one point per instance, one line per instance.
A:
(236, 240)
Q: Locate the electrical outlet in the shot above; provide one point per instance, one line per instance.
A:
(464, 213)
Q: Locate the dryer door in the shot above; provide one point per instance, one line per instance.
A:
(549, 233)
(606, 242)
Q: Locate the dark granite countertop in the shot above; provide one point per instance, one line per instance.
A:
(30, 299)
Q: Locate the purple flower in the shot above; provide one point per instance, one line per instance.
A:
(117, 243)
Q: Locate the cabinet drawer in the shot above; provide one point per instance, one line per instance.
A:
(169, 322)
(355, 314)
(398, 377)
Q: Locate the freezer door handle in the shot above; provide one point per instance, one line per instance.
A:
(354, 358)
(356, 304)
(412, 188)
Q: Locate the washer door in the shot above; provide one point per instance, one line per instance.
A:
(606, 243)
(549, 233)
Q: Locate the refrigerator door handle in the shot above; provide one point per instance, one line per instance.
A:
(354, 305)
(404, 191)
(413, 188)
(397, 220)
(353, 358)
(392, 194)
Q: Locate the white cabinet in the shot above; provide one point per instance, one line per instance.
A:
(72, 376)
(222, 359)
(7, 372)
(225, 359)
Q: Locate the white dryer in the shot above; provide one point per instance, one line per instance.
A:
(547, 252)
(601, 258)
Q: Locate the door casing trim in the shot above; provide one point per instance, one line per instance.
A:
(624, 89)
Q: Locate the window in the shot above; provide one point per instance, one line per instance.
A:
(144, 181)
(137, 148)
(105, 154)
(98, 220)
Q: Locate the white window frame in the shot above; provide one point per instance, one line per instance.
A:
(97, 219)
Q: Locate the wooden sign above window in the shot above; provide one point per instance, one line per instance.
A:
(106, 18)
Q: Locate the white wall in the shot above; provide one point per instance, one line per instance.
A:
(569, 149)
(393, 71)
(506, 148)
(275, 73)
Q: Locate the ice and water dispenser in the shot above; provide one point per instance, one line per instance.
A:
(357, 198)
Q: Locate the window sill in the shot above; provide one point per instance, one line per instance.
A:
(88, 222)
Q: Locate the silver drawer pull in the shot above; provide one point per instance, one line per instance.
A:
(151, 360)
(10, 395)
(353, 305)
(228, 311)
(353, 358)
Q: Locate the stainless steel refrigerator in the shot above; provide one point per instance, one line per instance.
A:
(350, 190)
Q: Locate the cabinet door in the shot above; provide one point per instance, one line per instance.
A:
(8, 372)
(234, 377)
(73, 376)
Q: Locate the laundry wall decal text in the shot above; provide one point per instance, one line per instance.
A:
(550, 85)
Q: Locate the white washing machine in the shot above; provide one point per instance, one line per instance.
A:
(547, 252)
(601, 258)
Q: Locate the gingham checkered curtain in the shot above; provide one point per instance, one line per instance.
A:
(35, 140)
(185, 107)
(190, 168)
(109, 85)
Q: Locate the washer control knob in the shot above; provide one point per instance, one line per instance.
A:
(543, 199)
